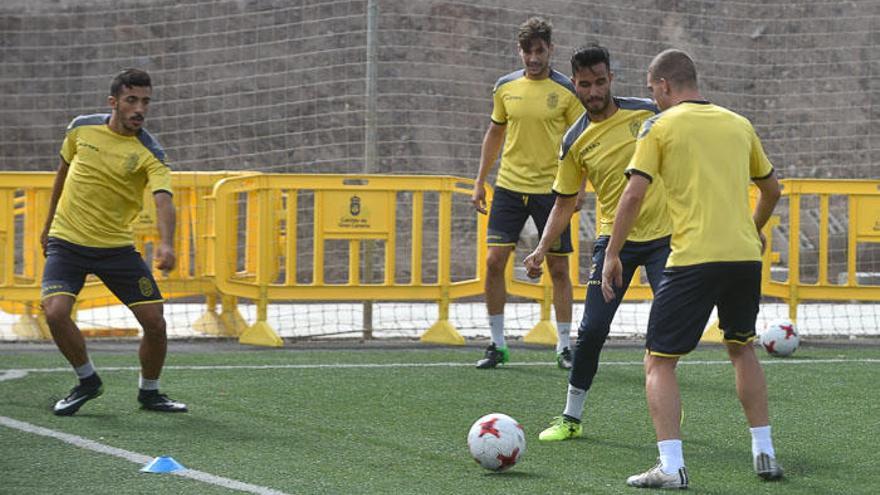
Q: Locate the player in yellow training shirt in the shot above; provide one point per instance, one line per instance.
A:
(532, 107)
(599, 147)
(706, 156)
(106, 162)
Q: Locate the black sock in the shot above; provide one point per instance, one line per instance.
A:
(566, 416)
(91, 381)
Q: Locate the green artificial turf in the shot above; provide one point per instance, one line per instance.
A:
(297, 421)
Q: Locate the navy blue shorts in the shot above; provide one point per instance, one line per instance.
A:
(684, 302)
(508, 215)
(121, 269)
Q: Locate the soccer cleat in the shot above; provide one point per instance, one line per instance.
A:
(494, 356)
(78, 396)
(154, 401)
(562, 428)
(656, 478)
(767, 468)
(563, 359)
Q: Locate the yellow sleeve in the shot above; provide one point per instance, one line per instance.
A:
(68, 147)
(499, 113)
(569, 175)
(159, 175)
(647, 157)
(574, 111)
(759, 165)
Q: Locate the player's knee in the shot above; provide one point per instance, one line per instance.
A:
(56, 311)
(591, 336)
(495, 264)
(154, 326)
(558, 269)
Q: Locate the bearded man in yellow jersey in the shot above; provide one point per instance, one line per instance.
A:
(706, 157)
(106, 162)
(598, 147)
(532, 108)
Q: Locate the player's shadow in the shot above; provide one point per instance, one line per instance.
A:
(516, 474)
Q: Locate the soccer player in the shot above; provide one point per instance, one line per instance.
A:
(532, 107)
(106, 162)
(598, 147)
(706, 156)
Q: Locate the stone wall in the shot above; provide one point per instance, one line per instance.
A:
(279, 85)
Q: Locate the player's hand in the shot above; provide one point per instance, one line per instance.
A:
(478, 198)
(533, 264)
(581, 199)
(612, 277)
(165, 258)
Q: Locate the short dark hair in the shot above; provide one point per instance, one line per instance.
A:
(534, 28)
(129, 78)
(588, 56)
(676, 66)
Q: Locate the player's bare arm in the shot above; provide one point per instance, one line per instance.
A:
(581, 195)
(559, 218)
(627, 212)
(492, 142)
(57, 188)
(166, 219)
(767, 199)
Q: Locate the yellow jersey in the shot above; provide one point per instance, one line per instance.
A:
(600, 151)
(706, 156)
(536, 113)
(105, 183)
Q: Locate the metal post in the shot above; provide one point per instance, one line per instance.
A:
(371, 144)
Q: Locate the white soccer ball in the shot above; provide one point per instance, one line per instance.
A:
(497, 442)
(780, 339)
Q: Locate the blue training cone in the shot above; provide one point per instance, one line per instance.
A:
(162, 464)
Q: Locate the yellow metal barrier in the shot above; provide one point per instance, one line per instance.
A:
(353, 209)
(224, 258)
(24, 202)
(863, 226)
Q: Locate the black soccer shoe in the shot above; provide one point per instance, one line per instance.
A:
(154, 401)
(494, 356)
(563, 359)
(78, 396)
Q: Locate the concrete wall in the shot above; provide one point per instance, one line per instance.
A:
(279, 85)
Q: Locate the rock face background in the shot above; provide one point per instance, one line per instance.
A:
(279, 85)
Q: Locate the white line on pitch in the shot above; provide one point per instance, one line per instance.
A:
(135, 457)
(18, 371)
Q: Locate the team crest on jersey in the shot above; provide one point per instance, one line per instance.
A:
(131, 162)
(634, 126)
(145, 286)
(552, 100)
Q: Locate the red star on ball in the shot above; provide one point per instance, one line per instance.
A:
(488, 428)
(789, 331)
(507, 461)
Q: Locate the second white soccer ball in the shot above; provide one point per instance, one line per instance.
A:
(780, 338)
(497, 442)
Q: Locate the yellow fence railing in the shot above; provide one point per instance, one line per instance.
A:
(278, 237)
(24, 204)
(360, 211)
(862, 199)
